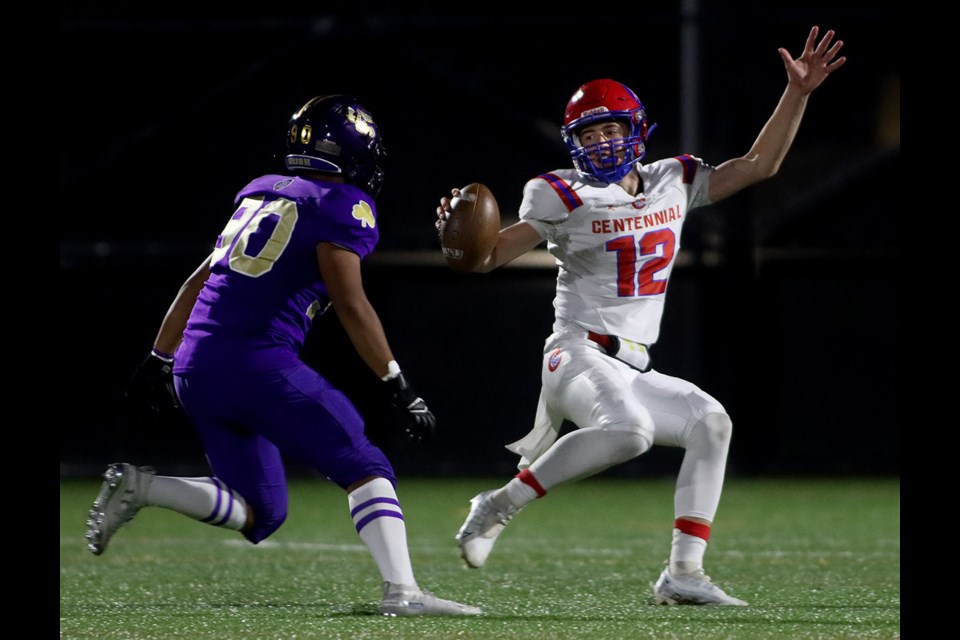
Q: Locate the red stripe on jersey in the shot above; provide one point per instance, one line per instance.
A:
(689, 167)
(527, 478)
(692, 528)
(569, 197)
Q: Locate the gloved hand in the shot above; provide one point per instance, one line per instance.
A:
(420, 421)
(152, 385)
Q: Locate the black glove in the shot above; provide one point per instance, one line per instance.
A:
(420, 421)
(152, 385)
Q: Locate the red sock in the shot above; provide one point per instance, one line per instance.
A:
(527, 478)
(692, 528)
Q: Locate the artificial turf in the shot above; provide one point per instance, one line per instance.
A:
(816, 558)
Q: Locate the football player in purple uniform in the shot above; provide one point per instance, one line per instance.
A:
(613, 225)
(228, 346)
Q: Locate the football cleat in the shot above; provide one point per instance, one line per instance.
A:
(121, 496)
(692, 588)
(481, 528)
(411, 600)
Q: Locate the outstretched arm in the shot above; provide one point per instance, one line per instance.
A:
(804, 74)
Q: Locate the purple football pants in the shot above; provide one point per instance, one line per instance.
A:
(247, 420)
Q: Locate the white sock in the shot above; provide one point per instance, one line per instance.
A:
(378, 518)
(516, 492)
(686, 553)
(205, 499)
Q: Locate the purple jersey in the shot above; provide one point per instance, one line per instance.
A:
(264, 286)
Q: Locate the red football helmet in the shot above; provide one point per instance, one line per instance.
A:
(601, 101)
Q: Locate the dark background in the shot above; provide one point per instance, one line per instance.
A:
(784, 304)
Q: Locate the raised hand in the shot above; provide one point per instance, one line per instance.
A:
(817, 61)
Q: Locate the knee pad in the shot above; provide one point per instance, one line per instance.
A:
(716, 428)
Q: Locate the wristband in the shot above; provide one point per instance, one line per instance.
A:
(393, 370)
(166, 357)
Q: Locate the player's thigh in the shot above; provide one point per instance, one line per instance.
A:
(593, 390)
(315, 423)
(244, 460)
(676, 405)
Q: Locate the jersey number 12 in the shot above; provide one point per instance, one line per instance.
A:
(631, 282)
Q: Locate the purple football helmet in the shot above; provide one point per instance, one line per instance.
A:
(336, 134)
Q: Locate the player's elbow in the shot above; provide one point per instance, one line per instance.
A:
(764, 164)
(770, 169)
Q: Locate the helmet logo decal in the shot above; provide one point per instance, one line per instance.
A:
(363, 213)
(595, 110)
(554, 360)
(362, 121)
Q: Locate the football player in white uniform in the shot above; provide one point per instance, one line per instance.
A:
(613, 225)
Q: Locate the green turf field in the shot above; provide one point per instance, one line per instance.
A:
(815, 558)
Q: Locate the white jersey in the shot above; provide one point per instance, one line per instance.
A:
(615, 251)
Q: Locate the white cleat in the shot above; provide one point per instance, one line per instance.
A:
(121, 496)
(693, 588)
(411, 600)
(481, 528)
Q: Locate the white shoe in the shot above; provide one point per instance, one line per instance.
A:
(692, 588)
(407, 600)
(481, 528)
(121, 496)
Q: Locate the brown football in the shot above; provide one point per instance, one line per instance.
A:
(470, 232)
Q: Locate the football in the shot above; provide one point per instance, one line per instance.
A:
(470, 231)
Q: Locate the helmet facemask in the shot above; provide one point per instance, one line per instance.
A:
(608, 161)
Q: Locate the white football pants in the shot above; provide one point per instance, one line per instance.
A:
(620, 412)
